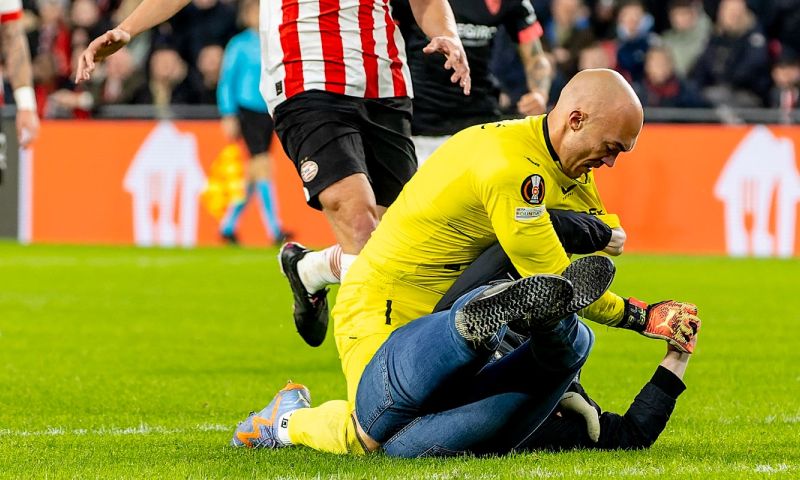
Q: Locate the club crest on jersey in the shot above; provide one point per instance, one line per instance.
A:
(532, 189)
(308, 170)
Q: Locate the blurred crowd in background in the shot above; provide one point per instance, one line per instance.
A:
(676, 53)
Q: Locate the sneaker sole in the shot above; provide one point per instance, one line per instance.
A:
(538, 299)
(590, 277)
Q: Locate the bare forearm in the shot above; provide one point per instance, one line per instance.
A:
(17, 55)
(434, 17)
(150, 13)
(538, 71)
(676, 362)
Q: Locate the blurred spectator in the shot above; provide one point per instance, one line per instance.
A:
(167, 82)
(85, 15)
(594, 56)
(786, 75)
(688, 37)
(567, 33)
(734, 69)
(52, 36)
(633, 37)
(119, 79)
(662, 87)
(785, 22)
(203, 23)
(209, 63)
(602, 18)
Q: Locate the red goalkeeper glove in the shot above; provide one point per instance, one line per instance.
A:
(675, 322)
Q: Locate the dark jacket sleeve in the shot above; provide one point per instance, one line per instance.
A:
(580, 233)
(639, 428)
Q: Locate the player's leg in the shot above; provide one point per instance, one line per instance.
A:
(257, 129)
(319, 132)
(230, 220)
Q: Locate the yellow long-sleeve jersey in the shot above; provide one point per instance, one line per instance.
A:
(488, 183)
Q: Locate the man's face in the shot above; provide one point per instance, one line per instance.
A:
(630, 17)
(731, 14)
(592, 143)
(786, 76)
(682, 18)
(658, 66)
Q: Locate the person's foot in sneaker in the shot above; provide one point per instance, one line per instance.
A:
(268, 428)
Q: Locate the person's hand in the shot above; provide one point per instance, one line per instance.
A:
(617, 242)
(100, 48)
(453, 50)
(532, 103)
(27, 127)
(230, 128)
(675, 322)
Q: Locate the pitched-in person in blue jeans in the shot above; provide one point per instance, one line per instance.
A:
(436, 388)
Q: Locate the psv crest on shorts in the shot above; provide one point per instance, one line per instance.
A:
(532, 189)
(308, 170)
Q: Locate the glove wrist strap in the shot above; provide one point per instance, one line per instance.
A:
(635, 317)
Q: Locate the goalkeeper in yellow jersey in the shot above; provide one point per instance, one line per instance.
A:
(489, 184)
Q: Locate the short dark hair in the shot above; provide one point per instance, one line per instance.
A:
(682, 4)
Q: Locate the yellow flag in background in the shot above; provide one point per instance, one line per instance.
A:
(226, 182)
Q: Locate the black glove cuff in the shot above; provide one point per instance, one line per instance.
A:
(635, 316)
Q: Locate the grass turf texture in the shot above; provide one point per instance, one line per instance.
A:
(118, 362)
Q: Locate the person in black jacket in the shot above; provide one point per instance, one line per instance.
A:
(662, 87)
(734, 69)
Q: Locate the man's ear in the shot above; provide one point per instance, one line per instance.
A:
(577, 119)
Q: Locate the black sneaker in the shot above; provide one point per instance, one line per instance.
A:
(539, 301)
(230, 238)
(310, 310)
(590, 277)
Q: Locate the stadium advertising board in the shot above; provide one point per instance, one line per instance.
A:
(705, 189)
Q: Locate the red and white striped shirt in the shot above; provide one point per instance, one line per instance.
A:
(10, 10)
(349, 47)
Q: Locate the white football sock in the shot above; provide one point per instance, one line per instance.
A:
(346, 262)
(283, 428)
(321, 268)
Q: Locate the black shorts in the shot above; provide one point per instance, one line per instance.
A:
(256, 128)
(330, 137)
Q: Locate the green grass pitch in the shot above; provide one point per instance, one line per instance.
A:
(134, 363)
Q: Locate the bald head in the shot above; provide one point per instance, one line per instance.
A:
(597, 116)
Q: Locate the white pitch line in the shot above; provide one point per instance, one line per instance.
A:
(141, 429)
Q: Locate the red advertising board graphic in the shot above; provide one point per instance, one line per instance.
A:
(704, 189)
(127, 182)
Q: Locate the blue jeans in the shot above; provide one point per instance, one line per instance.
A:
(429, 392)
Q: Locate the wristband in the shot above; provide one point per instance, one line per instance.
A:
(25, 98)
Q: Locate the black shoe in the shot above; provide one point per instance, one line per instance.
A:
(310, 310)
(539, 301)
(590, 277)
(230, 238)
